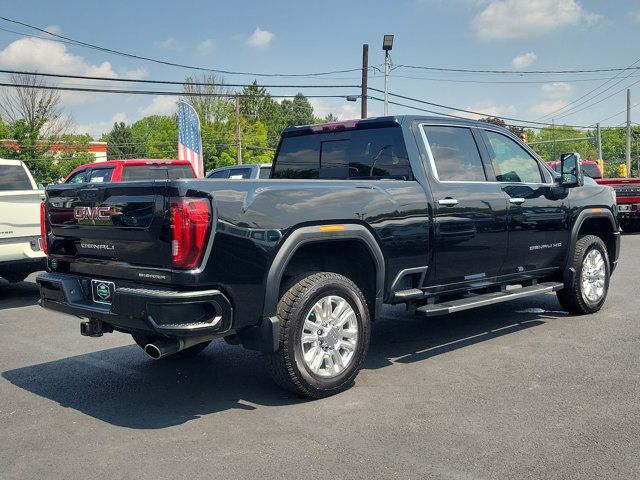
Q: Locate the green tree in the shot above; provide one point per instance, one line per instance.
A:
(551, 151)
(257, 105)
(298, 111)
(157, 136)
(121, 144)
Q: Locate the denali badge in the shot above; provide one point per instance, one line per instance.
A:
(94, 213)
(97, 246)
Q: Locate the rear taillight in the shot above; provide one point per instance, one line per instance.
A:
(43, 228)
(190, 224)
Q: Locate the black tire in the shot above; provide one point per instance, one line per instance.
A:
(571, 297)
(143, 340)
(287, 366)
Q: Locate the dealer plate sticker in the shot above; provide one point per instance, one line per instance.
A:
(102, 291)
(624, 208)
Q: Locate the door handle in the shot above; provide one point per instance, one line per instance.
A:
(448, 202)
(516, 200)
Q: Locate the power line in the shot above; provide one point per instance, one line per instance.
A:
(157, 92)
(514, 82)
(515, 72)
(173, 64)
(473, 112)
(165, 82)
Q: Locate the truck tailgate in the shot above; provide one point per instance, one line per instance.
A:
(20, 214)
(111, 223)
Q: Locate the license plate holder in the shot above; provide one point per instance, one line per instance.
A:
(102, 291)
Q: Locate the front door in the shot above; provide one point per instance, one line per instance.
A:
(470, 238)
(537, 209)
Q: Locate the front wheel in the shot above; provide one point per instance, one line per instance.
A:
(324, 336)
(588, 289)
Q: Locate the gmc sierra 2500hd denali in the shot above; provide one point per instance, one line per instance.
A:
(443, 215)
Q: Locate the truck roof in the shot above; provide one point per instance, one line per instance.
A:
(139, 161)
(378, 122)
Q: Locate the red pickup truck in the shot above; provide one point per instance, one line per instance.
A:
(128, 170)
(628, 200)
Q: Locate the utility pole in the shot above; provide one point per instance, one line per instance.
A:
(387, 45)
(599, 141)
(238, 139)
(628, 153)
(365, 74)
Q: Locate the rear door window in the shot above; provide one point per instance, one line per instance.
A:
(14, 177)
(376, 153)
(100, 175)
(239, 173)
(454, 154)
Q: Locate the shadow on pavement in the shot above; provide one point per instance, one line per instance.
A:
(16, 295)
(122, 387)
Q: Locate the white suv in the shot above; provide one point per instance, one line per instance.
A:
(20, 241)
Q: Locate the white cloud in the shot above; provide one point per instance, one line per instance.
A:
(502, 19)
(53, 28)
(556, 89)
(160, 105)
(260, 38)
(136, 74)
(525, 60)
(169, 43)
(546, 107)
(95, 129)
(634, 16)
(489, 109)
(206, 47)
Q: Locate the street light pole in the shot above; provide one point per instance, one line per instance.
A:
(387, 45)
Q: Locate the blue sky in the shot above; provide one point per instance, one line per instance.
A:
(295, 37)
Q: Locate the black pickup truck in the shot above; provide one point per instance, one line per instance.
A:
(442, 215)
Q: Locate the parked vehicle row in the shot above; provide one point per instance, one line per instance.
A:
(442, 215)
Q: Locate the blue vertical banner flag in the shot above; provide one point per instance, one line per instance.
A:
(189, 138)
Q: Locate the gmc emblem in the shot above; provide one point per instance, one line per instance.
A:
(93, 213)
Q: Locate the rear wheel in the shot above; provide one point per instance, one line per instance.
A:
(324, 336)
(143, 340)
(588, 289)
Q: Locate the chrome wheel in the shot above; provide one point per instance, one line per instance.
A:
(329, 336)
(593, 276)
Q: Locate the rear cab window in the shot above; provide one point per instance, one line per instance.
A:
(240, 173)
(372, 154)
(14, 177)
(156, 172)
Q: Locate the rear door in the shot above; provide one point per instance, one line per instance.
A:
(537, 209)
(470, 236)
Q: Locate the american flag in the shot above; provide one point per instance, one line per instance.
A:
(189, 141)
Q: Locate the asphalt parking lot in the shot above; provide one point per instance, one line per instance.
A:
(512, 391)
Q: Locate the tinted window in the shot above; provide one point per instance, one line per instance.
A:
(265, 172)
(591, 170)
(219, 174)
(99, 175)
(511, 162)
(14, 177)
(367, 154)
(154, 172)
(78, 177)
(455, 154)
(299, 157)
(180, 171)
(240, 173)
